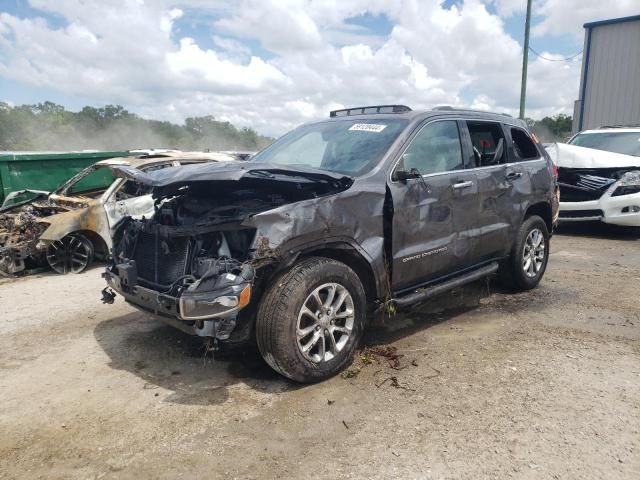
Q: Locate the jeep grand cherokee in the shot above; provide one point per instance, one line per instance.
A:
(374, 208)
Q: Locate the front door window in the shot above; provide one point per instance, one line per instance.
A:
(435, 149)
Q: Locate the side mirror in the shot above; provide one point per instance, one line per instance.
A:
(403, 175)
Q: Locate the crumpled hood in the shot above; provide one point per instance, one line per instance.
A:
(572, 156)
(9, 205)
(229, 171)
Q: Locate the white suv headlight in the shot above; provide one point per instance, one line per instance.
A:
(628, 184)
(630, 179)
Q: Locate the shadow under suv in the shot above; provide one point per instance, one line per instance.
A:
(374, 208)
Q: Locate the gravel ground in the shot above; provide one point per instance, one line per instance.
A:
(544, 384)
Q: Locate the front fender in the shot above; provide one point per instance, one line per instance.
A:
(88, 218)
(353, 217)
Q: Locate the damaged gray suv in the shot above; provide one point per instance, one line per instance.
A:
(372, 209)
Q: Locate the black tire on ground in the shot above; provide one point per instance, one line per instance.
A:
(512, 272)
(278, 321)
(73, 254)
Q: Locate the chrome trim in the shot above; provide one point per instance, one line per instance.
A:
(461, 185)
(455, 119)
(472, 169)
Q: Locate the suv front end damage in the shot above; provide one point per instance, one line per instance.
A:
(375, 208)
(185, 276)
(196, 262)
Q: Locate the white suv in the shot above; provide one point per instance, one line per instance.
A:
(599, 176)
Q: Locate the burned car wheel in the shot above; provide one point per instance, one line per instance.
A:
(73, 253)
(310, 321)
(528, 260)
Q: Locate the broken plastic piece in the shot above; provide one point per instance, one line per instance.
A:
(108, 296)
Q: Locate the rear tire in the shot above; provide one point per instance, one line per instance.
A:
(527, 262)
(311, 319)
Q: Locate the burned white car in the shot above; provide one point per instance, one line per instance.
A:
(70, 227)
(599, 176)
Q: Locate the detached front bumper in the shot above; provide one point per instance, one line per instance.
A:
(203, 313)
(621, 210)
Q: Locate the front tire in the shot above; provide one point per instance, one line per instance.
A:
(525, 267)
(74, 253)
(311, 319)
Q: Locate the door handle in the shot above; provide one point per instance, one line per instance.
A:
(461, 185)
(514, 175)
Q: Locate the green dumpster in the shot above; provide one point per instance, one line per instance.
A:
(47, 170)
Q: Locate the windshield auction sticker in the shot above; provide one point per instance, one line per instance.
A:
(367, 127)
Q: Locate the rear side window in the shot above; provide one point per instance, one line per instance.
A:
(436, 148)
(523, 146)
(489, 144)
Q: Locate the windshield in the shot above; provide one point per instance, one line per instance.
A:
(90, 182)
(351, 147)
(627, 143)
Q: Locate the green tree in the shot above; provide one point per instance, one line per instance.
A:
(49, 126)
(553, 129)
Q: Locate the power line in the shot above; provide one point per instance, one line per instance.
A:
(555, 59)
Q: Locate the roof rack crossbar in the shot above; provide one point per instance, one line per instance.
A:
(372, 109)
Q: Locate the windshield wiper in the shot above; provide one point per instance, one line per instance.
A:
(261, 173)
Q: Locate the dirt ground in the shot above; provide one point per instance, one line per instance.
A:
(544, 384)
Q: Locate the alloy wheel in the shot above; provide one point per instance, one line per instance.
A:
(71, 254)
(533, 254)
(325, 322)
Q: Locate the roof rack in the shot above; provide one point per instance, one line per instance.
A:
(368, 110)
(448, 108)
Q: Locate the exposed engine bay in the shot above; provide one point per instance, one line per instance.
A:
(195, 260)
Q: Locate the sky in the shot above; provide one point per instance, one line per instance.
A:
(274, 64)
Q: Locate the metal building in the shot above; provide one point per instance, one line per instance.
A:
(610, 81)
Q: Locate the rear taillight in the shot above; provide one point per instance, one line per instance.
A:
(555, 170)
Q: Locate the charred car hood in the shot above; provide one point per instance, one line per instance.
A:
(232, 171)
(9, 205)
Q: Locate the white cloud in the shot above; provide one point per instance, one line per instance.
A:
(568, 16)
(235, 49)
(126, 51)
(195, 68)
(281, 26)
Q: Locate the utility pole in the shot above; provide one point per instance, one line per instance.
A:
(525, 60)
